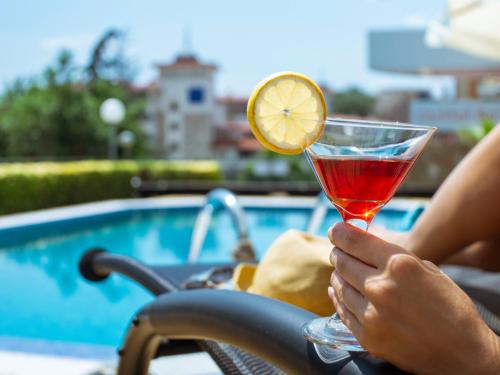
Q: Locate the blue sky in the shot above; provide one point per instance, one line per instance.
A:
(247, 39)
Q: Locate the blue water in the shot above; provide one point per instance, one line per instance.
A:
(43, 296)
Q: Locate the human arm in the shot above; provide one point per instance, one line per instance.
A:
(407, 311)
(484, 255)
(465, 209)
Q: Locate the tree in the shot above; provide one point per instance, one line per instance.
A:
(57, 114)
(135, 111)
(108, 60)
(352, 101)
(475, 134)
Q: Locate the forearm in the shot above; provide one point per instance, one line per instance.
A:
(484, 255)
(465, 209)
(488, 359)
(483, 357)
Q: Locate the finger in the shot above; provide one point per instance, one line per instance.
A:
(347, 317)
(362, 245)
(330, 292)
(351, 269)
(350, 297)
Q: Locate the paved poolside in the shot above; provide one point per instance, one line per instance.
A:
(18, 363)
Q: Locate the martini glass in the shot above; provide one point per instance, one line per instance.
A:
(360, 165)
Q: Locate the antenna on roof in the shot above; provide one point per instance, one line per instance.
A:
(187, 47)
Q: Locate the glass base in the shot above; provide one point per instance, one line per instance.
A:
(331, 332)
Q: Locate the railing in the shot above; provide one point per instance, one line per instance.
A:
(216, 200)
(319, 213)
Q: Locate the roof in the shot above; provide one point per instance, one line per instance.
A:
(232, 100)
(405, 51)
(240, 126)
(185, 61)
(249, 145)
(236, 135)
(141, 89)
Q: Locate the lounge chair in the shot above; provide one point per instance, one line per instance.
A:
(243, 333)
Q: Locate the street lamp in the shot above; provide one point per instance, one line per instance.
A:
(127, 140)
(112, 112)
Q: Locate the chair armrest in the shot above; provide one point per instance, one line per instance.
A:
(266, 328)
(97, 264)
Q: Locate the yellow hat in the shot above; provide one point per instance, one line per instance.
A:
(296, 269)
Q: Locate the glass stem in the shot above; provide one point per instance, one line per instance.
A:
(334, 320)
(359, 223)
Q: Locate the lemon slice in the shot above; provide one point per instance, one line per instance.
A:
(286, 112)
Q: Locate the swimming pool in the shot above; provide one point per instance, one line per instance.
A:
(47, 306)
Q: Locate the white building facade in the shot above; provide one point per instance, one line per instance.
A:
(180, 109)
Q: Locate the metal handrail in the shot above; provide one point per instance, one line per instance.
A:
(221, 199)
(319, 213)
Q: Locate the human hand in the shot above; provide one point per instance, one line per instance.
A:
(392, 236)
(405, 310)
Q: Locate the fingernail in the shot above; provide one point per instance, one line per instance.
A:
(431, 266)
(330, 292)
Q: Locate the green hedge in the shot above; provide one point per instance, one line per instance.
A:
(31, 186)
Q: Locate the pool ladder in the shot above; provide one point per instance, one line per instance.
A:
(218, 199)
(319, 213)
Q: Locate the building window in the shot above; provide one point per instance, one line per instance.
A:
(174, 106)
(174, 147)
(174, 126)
(196, 95)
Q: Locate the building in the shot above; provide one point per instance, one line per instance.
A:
(233, 137)
(394, 105)
(180, 109)
(477, 80)
(185, 120)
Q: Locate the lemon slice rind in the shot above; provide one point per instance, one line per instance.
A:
(286, 112)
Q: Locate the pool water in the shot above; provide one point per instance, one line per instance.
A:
(43, 297)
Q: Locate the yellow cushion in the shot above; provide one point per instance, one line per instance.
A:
(296, 269)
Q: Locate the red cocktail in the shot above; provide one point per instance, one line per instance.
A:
(360, 165)
(357, 186)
